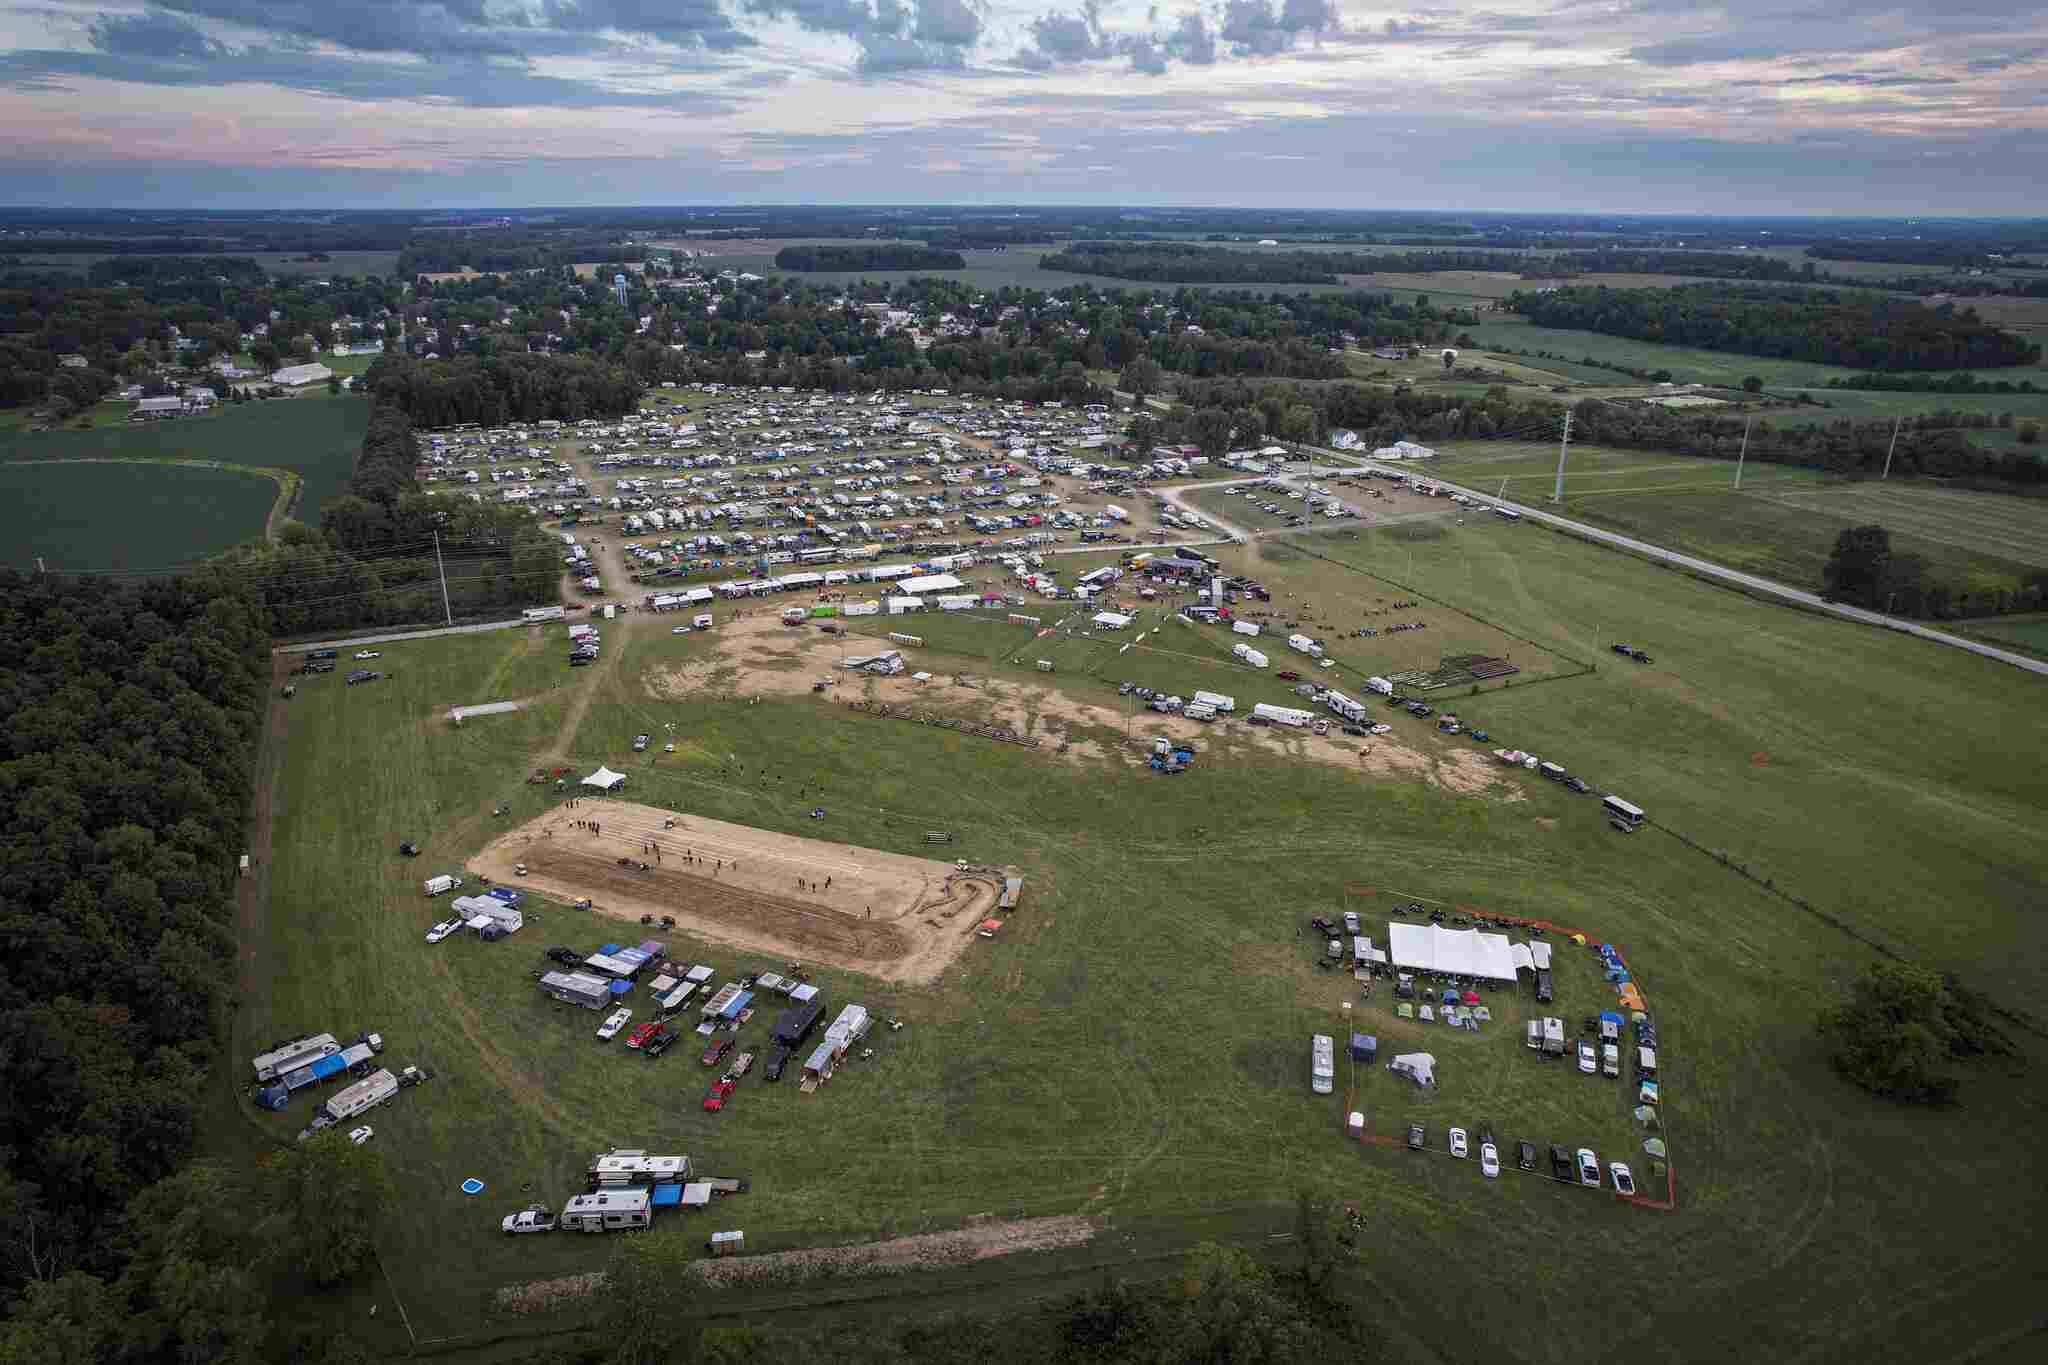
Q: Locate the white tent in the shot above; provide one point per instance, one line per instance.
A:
(1419, 1067)
(1464, 952)
(938, 582)
(1110, 620)
(604, 779)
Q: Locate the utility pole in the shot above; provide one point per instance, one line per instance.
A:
(1896, 421)
(1743, 453)
(1563, 442)
(442, 570)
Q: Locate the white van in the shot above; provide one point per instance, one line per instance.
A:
(1322, 1073)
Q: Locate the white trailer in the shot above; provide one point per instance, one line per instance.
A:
(1282, 715)
(587, 989)
(1253, 657)
(535, 615)
(295, 1054)
(441, 885)
(367, 1093)
(1244, 628)
(1217, 700)
(1379, 687)
(1344, 706)
(606, 1210)
(1301, 644)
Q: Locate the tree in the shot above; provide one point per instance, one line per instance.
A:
(1141, 376)
(2029, 433)
(1752, 384)
(1857, 569)
(1141, 436)
(1902, 1028)
(330, 1196)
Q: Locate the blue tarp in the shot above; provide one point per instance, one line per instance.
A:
(273, 1096)
(736, 1004)
(1609, 1016)
(667, 1196)
(609, 948)
(327, 1066)
(619, 987)
(506, 894)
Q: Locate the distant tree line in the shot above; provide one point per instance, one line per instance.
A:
(869, 256)
(501, 251)
(1831, 327)
(1195, 263)
(1958, 254)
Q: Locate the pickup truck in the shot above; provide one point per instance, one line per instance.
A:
(535, 1219)
(715, 1054)
(609, 1029)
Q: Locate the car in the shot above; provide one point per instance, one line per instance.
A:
(1610, 1060)
(609, 1029)
(641, 1034)
(1544, 991)
(1459, 1148)
(715, 1054)
(1576, 784)
(1351, 925)
(715, 1097)
(534, 1219)
(1589, 1168)
(1418, 1137)
(443, 929)
(1560, 1163)
(568, 957)
(1288, 675)
(359, 675)
(1489, 1160)
(640, 743)
(579, 660)
(679, 630)
(1624, 1179)
(1587, 1064)
(777, 1060)
(1525, 1156)
(369, 654)
(1382, 728)
(662, 1041)
(361, 1135)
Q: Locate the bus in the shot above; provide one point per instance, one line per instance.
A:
(1623, 816)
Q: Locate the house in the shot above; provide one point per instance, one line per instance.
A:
(153, 408)
(298, 376)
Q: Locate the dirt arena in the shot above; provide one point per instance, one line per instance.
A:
(886, 915)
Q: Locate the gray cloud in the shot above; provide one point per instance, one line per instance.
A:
(151, 34)
(1068, 38)
(1254, 29)
(893, 35)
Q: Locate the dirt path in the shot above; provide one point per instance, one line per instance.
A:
(254, 892)
(887, 915)
(603, 544)
(978, 1241)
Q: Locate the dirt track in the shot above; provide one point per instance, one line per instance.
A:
(886, 915)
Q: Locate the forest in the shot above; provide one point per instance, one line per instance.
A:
(126, 762)
(1193, 263)
(1857, 329)
(1961, 255)
(494, 390)
(875, 256)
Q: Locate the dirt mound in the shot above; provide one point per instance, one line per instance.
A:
(887, 915)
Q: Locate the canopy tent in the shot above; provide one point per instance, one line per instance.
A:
(604, 779)
(1464, 952)
(1654, 1146)
(1419, 1067)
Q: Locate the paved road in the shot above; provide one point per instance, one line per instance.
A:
(1707, 568)
(359, 641)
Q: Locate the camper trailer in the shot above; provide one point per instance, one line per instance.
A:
(606, 1210)
(1322, 1067)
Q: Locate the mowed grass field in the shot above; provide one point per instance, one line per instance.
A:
(84, 517)
(1134, 1045)
(1782, 522)
(125, 518)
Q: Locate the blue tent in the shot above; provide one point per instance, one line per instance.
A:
(1609, 1017)
(1450, 997)
(667, 1196)
(1364, 1047)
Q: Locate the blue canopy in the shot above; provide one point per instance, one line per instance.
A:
(667, 1196)
(1609, 1017)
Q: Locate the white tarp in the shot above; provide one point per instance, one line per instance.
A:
(1463, 952)
(1540, 952)
(604, 779)
(1419, 1067)
(1523, 961)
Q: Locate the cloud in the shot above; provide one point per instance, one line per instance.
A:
(893, 35)
(152, 33)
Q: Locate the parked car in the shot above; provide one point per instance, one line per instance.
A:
(1589, 1168)
(640, 743)
(1560, 1163)
(715, 1054)
(1576, 784)
(1525, 1156)
(714, 1098)
(534, 1219)
(777, 1060)
(609, 1029)
(568, 957)
(1418, 1137)
(1351, 925)
(369, 654)
(361, 1135)
(443, 929)
(1543, 988)
(641, 1033)
(662, 1041)
(1458, 1144)
(1624, 1179)
(679, 630)
(1288, 675)
(1489, 1160)
(1587, 1064)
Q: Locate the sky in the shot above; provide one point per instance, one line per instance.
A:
(1598, 106)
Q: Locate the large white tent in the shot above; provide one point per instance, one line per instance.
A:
(1463, 952)
(938, 582)
(604, 779)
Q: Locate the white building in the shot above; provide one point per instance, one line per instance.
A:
(298, 376)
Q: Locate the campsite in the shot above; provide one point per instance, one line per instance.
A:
(1131, 1049)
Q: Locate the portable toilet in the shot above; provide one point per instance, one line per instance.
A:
(727, 1243)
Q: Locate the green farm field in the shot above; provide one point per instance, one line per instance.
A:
(1133, 1046)
(1783, 521)
(314, 436)
(126, 518)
